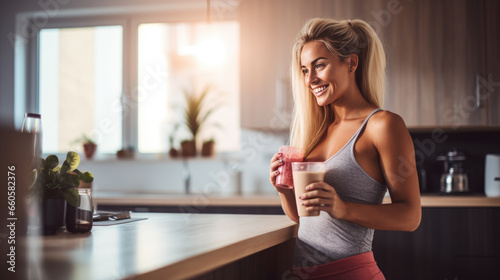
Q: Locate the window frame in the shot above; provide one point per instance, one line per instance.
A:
(33, 92)
(28, 62)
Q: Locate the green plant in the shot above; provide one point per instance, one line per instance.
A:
(54, 181)
(197, 110)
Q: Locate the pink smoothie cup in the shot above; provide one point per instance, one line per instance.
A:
(285, 177)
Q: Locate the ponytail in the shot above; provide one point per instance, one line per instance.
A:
(370, 74)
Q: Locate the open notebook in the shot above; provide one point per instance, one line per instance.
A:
(101, 215)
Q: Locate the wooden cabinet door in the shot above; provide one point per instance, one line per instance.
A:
(490, 87)
(437, 54)
(450, 243)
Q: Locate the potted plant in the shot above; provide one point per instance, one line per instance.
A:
(126, 153)
(56, 185)
(208, 148)
(197, 111)
(89, 145)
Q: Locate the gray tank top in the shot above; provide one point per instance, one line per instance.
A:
(323, 239)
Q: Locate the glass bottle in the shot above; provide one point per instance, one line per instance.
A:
(79, 219)
(33, 124)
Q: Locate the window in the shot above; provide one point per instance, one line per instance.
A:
(82, 89)
(174, 57)
(80, 86)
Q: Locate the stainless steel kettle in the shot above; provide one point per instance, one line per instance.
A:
(454, 180)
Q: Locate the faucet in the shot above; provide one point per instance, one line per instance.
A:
(187, 176)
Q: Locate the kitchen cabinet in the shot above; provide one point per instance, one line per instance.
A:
(492, 57)
(450, 243)
(438, 53)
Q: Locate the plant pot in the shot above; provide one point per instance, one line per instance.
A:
(173, 153)
(89, 150)
(208, 149)
(188, 148)
(53, 215)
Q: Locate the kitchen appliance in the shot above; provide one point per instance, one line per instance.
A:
(454, 180)
(492, 175)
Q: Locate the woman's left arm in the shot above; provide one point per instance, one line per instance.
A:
(397, 160)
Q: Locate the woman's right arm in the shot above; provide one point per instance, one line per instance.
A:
(286, 195)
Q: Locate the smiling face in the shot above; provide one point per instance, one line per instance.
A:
(324, 73)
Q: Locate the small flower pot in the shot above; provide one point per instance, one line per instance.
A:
(208, 149)
(53, 215)
(188, 148)
(89, 150)
(173, 153)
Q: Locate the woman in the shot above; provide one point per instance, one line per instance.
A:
(338, 74)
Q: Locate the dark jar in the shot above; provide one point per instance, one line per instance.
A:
(79, 219)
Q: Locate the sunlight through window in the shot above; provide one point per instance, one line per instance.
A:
(178, 57)
(80, 86)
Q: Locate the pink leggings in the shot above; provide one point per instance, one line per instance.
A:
(357, 267)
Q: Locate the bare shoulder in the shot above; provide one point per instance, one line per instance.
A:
(386, 126)
(387, 120)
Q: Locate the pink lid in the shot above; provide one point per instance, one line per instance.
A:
(290, 152)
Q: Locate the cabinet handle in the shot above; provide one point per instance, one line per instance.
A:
(478, 91)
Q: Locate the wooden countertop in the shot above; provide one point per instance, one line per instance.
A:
(178, 245)
(266, 200)
(459, 201)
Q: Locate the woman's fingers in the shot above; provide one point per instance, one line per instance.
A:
(317, 202)
(323, 197)
(319, 189)
(276, 157)
(318, 196)
(276, 162)
(274, 174)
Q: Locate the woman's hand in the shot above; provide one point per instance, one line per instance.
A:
(323, 197)
(286, 195)
(276, 162)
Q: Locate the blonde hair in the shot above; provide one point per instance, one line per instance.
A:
(341, 38)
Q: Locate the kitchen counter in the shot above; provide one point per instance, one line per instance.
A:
(201, 200)
(458, 201)
(166, 245)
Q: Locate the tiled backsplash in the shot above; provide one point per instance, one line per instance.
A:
(474, 142)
